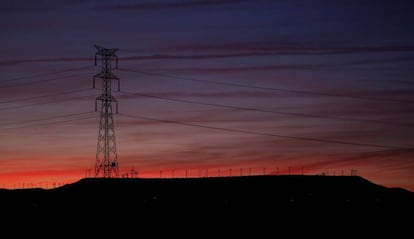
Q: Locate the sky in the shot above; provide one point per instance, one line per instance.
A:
(209, 88)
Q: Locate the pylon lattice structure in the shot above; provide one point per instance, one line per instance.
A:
(106, 162)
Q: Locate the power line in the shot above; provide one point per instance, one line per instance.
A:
(45, 96)
(303, 92)
(264, 134)
(50, 123)
(45, 74)
(40, 81)
(34, 104)
(44, 119)
(271, 111)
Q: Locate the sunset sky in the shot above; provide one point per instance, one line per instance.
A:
(210, 88)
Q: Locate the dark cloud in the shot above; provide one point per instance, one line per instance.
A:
(228, 52)
(279, 67)
(384, 61)
(196, 57)
(363, 159)
(393, 153)
(241, 53)
(186, 94)
(154, 5)
(24, 6)
(289, 48)
(44, 60)
(241, 69)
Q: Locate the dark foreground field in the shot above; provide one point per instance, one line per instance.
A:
(295, 204)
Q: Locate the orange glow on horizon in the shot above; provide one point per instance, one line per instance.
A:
(56, 178)
(38, 179)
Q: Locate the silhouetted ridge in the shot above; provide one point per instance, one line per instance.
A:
(286, 199)
(293, 190)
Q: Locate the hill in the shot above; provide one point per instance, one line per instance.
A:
(345, 202)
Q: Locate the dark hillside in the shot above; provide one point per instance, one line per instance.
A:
(257, 202)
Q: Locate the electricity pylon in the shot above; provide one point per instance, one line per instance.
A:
(106, 155)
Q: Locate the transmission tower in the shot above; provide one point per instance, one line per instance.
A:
(106, 162)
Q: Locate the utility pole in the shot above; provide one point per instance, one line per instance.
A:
(106, 162)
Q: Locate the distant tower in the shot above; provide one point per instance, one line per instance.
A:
(106, 162)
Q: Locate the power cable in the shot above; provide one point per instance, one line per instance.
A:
(271, 111)
(264, 134)
(303, 92)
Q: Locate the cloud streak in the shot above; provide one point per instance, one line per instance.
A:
(228, 52)
(154, 5)
(45, 60)
(275, 48)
